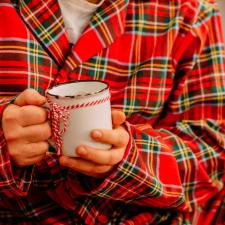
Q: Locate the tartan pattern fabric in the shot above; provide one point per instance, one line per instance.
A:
(164, 62)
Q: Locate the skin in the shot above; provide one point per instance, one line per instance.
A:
(95, 162)
(94, 1)
(26, 129)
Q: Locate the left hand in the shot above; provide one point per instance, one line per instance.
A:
(96, 162)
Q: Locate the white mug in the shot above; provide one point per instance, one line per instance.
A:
(76, 108)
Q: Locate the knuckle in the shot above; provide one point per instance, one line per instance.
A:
(17, 158)
(12, 136)
(29, 95)
(8, 116)
(13, 153)
(28, 92)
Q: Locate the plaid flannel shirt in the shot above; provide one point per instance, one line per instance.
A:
(164, 62)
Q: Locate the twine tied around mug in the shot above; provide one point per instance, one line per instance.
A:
(58, 112)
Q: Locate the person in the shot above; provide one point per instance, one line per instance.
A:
(164, 63)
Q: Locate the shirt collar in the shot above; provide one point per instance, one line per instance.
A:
(106, 25)
(44, 19)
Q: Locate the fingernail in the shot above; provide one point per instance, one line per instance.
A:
(97, 134)
(81, 151)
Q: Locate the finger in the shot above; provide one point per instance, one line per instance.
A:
(118, 137)
(29, 154)
(36, 133)
(30, 161)
(31, 115)
(30, 97)
(98, 156)
(118, 117)
(9, 117)
(84, 166)
(37, 149)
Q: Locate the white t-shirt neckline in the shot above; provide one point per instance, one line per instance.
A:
(77, 14)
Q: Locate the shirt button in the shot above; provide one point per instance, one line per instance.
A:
(102, 219)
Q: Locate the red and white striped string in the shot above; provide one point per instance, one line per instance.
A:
(58, 112)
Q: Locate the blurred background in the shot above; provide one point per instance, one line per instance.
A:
(222, 10)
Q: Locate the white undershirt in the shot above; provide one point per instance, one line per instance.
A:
(76, 14)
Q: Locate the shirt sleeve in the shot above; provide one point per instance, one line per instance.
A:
(179, 160)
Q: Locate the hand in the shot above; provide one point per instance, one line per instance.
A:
(98, 163)
(26, 128)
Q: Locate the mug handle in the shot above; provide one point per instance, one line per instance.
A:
(47, 107)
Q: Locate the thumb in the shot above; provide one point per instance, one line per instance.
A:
(118, 117)
(30, 97)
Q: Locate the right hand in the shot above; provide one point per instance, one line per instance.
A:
(26, 128)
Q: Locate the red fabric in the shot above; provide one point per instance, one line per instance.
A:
(164, 63)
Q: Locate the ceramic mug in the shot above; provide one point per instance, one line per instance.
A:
(76, 108)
